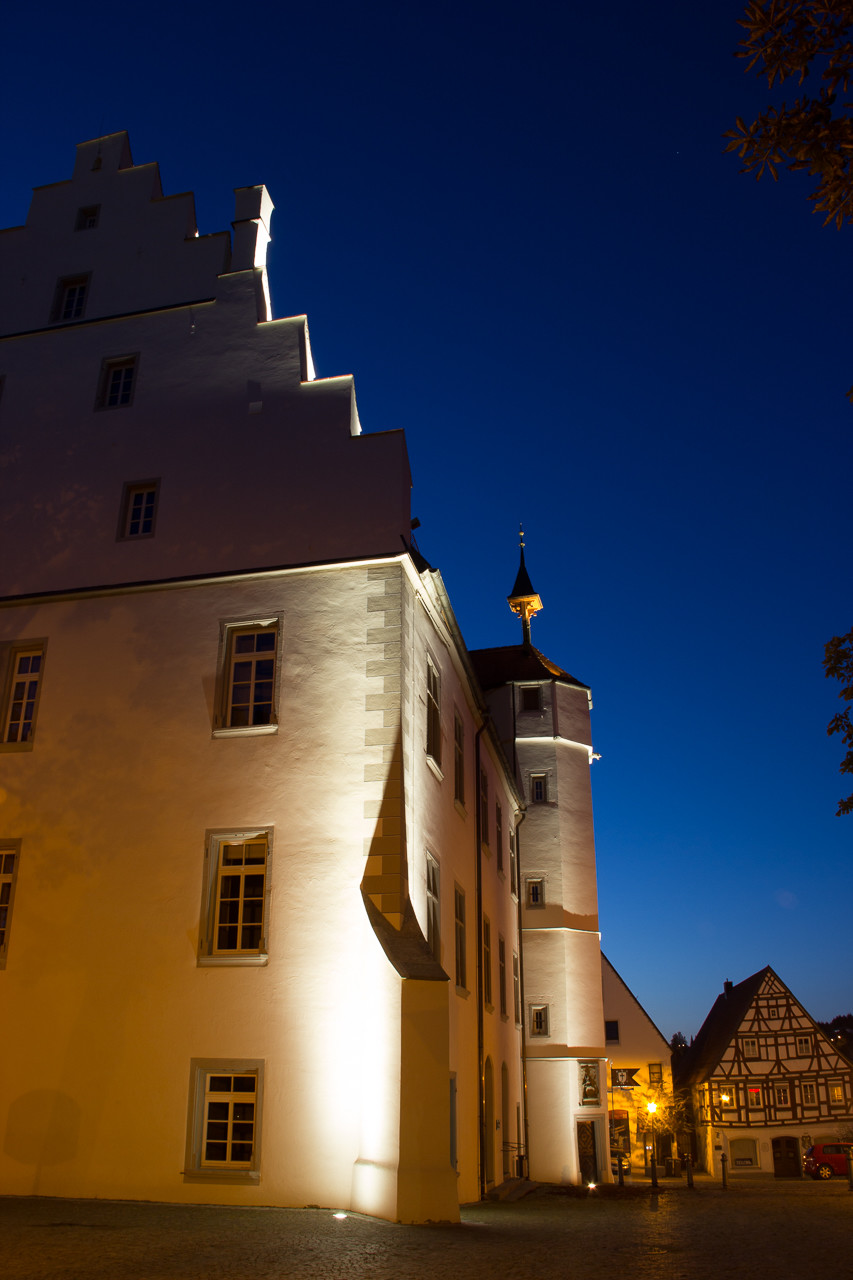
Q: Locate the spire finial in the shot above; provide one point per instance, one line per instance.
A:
(523, 600)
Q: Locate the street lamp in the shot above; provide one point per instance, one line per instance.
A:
(652, 1107)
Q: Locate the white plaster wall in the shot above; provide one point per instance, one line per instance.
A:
(102, 986)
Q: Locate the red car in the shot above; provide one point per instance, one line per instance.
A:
(826, 1158)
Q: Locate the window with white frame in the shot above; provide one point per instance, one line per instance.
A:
(536, 892)
(750, 1047)
(116, 382)
(70, 299)
(248, 676)
(804, 1046)
(433, 885)
(433, 701)
(484, 807)
(836, 1093)
(138, 510)
(236, 897)
(516, 989)
(513, 864)
(22, 686)
(460, 939)
(10, 852)
(531, 697)
(753, 1096)
(502, 976)
(655, 1073)
(782, 1096)
(809, 1095)
(539, 1020)
(458, 759)
(538, 788)
(499, 837)
(224, 1128)
(487, 961)
(87, 217)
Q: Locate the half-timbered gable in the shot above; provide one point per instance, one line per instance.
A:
(765, 1080)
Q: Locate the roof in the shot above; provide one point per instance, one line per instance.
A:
(718, 1030)
(511, 662)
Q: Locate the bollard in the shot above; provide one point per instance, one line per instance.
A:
(690, 1171)
(849, 1154)
(621, 1169)
(724, 1160)
(654, 1168)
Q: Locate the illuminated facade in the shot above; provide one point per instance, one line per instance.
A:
(542, 717)
(258, 937)
(640, 1072)
(766, 1081)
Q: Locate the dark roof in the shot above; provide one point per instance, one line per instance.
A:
(718, 1030)
(495, 667)
(523, 586)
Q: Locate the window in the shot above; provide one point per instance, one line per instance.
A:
(753, 1097)
(433, 907)
(531, 697)
(138, 509)
(536, 893)
(750, 1047)
(513, 864)
(459, 918)
(499, 836)
(116, 384)
(70, 301)
(87, 217)
(236, 898)
(20, 704)
(655, 1073)
(516, 989)
(433, 742)
(809, 1095)
(487, 961)
(611, 1031)
(782, 1095)
(502, 976)
(538, 788)
(9, 855)
(248, 677)
(224, 1129)
(458, 760)
(728, 1097)
(539, 1020)
(836, 1093)
(484, 807)
(804, 1046)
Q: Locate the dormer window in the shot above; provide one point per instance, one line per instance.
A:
(70, 301)
(87, 217)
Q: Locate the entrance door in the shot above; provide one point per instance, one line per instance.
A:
(786, 1158)
(587, 1157)
(505, 1142)
(489, 1125)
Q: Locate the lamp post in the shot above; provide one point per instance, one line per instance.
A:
(652, 1107)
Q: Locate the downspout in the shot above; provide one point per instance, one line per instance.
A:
(481, 1063)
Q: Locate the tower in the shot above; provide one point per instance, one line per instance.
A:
(542, 714)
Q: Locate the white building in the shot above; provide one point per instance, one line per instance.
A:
(258, 935)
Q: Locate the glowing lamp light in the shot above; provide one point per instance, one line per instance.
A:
(339, 1216)
(651, 1107)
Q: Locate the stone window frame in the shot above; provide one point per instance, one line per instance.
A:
(196, 1167)
(209, 952)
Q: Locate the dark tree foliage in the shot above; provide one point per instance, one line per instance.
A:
(792, 39)
(838, 665)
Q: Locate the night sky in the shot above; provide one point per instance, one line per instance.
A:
(516, 226)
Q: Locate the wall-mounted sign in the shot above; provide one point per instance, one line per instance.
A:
(623, 1077)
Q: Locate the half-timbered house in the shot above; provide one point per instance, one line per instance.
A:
(765, 1080)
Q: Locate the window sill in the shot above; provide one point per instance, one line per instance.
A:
(261, 958)
(460, 809)
(463, 992)
(435, 768)
(17, 746)
(246, 731)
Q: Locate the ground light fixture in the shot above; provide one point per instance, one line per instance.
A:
(339, 1216)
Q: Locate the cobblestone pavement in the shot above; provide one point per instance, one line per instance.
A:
(773, 1230)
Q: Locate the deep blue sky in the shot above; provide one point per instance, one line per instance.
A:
(516, 226)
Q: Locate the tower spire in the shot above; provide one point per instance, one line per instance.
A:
(523, 599)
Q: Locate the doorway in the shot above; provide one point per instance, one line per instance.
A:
(587, 1153)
